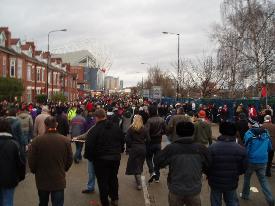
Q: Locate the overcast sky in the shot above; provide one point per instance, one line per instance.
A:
(129, 30)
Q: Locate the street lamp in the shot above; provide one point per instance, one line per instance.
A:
(165, 32)
(48, 60)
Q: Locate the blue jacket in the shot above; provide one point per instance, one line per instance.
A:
(258, 144)
(229, 161)
(78, 125)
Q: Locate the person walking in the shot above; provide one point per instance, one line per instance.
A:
(229, 161)
(271, 129)
(50, 157)
(203, 131)
(27, 126)
(186, 160)
(104, 145)
(136, 139)
(63, 124)
(12, 164)
(242, 127)
(171, 127)
(39, 125)
(77, 128)
(257, 143)
(156, 128)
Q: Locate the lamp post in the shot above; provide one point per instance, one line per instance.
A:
(48, 60)
(141, 72)
(177, 94)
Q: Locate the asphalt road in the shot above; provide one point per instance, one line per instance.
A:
(26, 193)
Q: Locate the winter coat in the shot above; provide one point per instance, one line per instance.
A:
(229, 161)
(187, 160)
(12, 162)
(16, 130)
(78, 125)
(271, 129)
(39, 124)
(105, 141)
(258, 143)
(50, 156)
(171, 127)
(242, 127)
(203, 132)
(27, 126)
(63, 124)
(136, 143)
(156, 128)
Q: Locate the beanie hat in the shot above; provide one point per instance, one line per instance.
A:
(228, 128)
(202, 114)
(185, 129)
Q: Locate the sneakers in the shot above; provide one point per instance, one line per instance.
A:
(86, 191)
(153, 177)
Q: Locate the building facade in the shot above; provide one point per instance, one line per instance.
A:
(22, 61)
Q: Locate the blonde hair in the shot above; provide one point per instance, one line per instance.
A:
(137, 123)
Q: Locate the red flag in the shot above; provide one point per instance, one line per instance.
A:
(263, 93)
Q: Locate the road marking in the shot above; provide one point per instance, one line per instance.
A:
(254, 189)
(145, 191)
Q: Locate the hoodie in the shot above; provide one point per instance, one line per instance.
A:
(258, 143)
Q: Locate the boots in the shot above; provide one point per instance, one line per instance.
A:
(138, 181)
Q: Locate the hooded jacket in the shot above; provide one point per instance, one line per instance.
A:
(258, 143)
(187, 160)
(203, 132)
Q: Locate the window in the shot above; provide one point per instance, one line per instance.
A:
(38, 74)
(19, 69)
(49, 77)
(29, 72)
(43, 74)
(12, 67)
(4, 66)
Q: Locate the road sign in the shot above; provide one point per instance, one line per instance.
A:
(156, 90)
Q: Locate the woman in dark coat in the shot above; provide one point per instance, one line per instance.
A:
(136, 139)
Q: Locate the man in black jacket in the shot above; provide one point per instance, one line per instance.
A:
(187, 160)
(229, 161)
(156, 127)
(104, 144)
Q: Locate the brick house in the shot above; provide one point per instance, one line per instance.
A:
(23, 61)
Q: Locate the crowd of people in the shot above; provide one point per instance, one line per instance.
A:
(40, 136)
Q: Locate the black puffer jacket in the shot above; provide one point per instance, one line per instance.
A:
(187, 161)
(12, 162)
(104, 141)
(229, 161)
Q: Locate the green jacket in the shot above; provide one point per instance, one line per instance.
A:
(203, 132)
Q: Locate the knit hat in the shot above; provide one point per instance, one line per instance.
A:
(267, 118)
(202, 114)
(185, 129)
(253, 123)
(228, 128)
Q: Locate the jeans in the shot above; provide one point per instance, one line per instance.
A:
(106, 174)
(260, 172)
(152, 150)
(78, 155)
(230, 198)
(191, 200)
(91, 173)
(57, 198)
(6, 196)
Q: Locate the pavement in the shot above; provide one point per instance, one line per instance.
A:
(26, 193)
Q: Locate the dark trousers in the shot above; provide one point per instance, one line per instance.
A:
(57, 197)
(106, 175)
(230, 198)
(190, 200)
(269, 163)
(151, 151)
